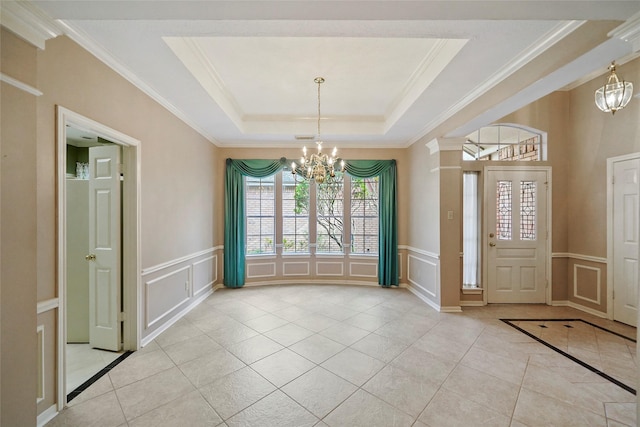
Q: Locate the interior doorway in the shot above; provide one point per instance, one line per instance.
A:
(516, 244)
(623, 213)
(98, 248)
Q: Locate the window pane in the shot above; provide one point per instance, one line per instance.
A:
(364, 215)
(470, 231)
(329, 215)
(503, 210)
(527, 210)
(260, 211)
(295, 213)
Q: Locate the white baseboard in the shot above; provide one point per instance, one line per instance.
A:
(451, 309)
(311, 282)
(423, 298)
(471, 304)
(166, 325)
(587, 309)
(47, 415)
(562, 303)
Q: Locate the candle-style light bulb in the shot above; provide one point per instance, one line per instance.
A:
(304, 150)
(335, 151)
(342, 164)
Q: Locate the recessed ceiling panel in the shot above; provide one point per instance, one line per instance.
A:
(265, 84)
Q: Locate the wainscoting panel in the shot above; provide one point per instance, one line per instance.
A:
(324, 268)
(165, 294)
(297, 268)
(423, 273)
(363, 269)
(205, 274)
(587, 283)
(40, 368)
(264, 269)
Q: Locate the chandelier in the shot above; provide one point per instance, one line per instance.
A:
(317, 166)
(615, 95)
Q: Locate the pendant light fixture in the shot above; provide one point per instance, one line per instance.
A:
(318, 166)
(615, 94)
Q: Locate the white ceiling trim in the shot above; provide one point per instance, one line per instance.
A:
(443, 51)
(28, 22)
(629, 32)
(20, 85)
(195, 60)
(559, 32)
(83, 39)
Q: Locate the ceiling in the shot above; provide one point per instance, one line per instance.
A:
(242, 72)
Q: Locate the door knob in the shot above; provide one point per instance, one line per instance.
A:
(491, 235)
(90, 257)
(492, 244)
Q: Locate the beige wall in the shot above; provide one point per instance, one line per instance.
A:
(18, 274)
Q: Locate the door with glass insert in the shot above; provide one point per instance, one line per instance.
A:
(516, 241)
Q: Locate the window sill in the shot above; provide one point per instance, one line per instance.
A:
(260, 256)
(472, 291)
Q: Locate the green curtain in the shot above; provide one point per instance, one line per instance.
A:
(234, 225)
(234, 212)
(388, 224)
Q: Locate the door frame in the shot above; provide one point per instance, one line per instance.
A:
(610, 284)
(485, 227)
(131, 202)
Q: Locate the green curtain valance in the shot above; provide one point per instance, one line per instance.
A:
(235, 232)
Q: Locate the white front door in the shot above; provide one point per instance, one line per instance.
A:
(105, 247)
(516, 241)
(626, 220)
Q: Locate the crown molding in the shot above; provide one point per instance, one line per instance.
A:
(90, 45)
(445, 144)
(629, 32)
(28, 22)
(556, 34)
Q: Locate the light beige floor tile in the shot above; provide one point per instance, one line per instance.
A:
(191, 348)
(275, 410)
(243, 312)
(101, 411)
(424, 365)
(292, 313)
(483, 389)
(496, 365)
(230, 335)
(397, 330)
(317, 348)
(210, 367)
(443, 347)
(366, 321)
(362, 409)
(316, 322)
(535, 409)
(282, 367)
(401, 390)
(379, 347)
(214, 321)
(337, 312)
(344, 334)
(288, 334)
(98, 388)
(621, 412)
(189, 410)
(254, 349)
(448, 409)
(143, 396)
(234, 392)
(353, 366)
(178, 332)
(139, 366)
(266, 323)
(319, 391)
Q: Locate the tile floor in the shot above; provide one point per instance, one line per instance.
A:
(351, 356)
(83, 362)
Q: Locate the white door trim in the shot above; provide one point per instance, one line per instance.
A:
(485, 239)
(131, 234)
(610, 162)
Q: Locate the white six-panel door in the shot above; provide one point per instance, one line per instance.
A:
(105, 247)
(626, 221)
(516, 241)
